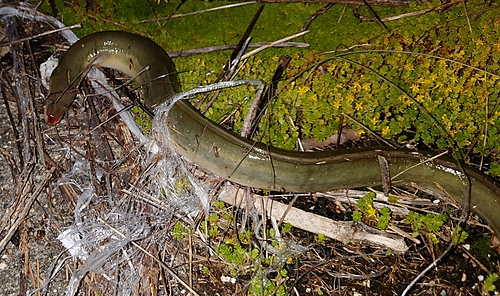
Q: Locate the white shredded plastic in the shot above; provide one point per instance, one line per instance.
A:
(46, 70)
(24, 11)
(171, 169)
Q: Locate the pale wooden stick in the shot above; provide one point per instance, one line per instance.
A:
(343, 231)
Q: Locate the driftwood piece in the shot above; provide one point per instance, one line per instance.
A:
(343, 231)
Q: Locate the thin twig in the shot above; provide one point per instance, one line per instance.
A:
(355, 2)
(234, 59)
(154, 14)
(418, 164)
(467, 15)
(40, 35)
(269, 93)
(309, 20)
(347, 48)
(117, 24)
(244, 40)
(196, 12)
(427, 269)
(485, 137)
(209, 49)
(226, 74)
(248, 123)
(246, 56)
(476, 137)
(290, 206)
(413, 13)
(379, 20)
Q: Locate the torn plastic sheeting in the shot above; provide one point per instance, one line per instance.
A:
(172, 169)
(84, 238)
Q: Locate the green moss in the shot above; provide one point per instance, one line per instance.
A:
(362, 87)
(482, 251)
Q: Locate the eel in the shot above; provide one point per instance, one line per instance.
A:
(255, 164)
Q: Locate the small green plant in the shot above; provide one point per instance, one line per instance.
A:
(357, 216)
(181, 185)
(233, 252)
(180, 231)
(244, 260)
(263, 286)
(321, 238)
(393, 199)
(205, 270)
(427, 224)
(210, 225)
(459, 235)
(489, 284)
(240, 255)
(382, 217)
(365, 205)
(245, 237)
(286, 228)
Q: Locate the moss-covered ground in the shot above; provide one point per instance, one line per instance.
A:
(440, 64)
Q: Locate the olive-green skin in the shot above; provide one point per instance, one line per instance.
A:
(136, 56)
(255, 164)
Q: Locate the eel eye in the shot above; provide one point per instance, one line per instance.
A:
(51, 119)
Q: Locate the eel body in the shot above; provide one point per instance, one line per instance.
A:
(138, 57)
(252, 163)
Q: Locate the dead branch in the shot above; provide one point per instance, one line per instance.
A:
(345, 232)
(205, 50)
(413, 13)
